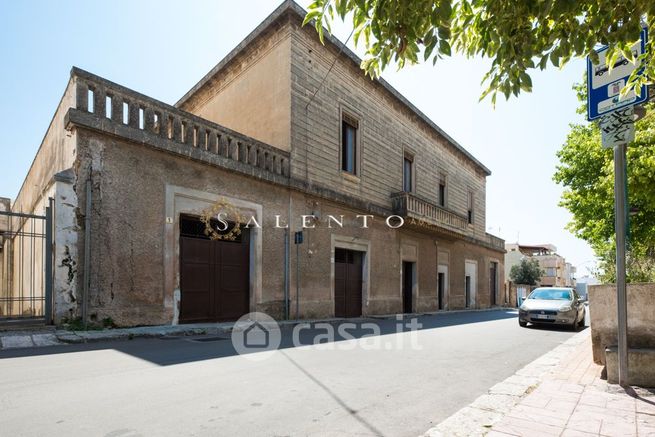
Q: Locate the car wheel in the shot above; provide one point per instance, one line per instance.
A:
(581, 323)
(523, 324)
(574, 326)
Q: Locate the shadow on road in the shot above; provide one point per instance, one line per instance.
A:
(176, 350)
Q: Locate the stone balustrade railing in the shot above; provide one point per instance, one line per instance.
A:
(124, 107)
(496, 242)
(410, 205)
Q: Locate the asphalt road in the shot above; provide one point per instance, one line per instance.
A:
(177, 387)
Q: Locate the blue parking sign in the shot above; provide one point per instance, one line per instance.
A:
(604, 87)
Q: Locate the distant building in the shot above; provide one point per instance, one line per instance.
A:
(557, 272)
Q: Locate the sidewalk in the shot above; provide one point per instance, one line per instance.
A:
(569, 399)
(574, 401)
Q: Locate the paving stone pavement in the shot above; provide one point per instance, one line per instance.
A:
(563, 395)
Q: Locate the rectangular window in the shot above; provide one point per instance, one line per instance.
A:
(442, 192)
(349, 144)
(408, 167)
(470, 207)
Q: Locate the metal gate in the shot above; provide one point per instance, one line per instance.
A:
(26, 266)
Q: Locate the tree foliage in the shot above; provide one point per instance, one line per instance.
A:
(517, 35)
(586, 171)
(526, 272)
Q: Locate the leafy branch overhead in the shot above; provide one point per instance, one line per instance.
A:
(518, 36)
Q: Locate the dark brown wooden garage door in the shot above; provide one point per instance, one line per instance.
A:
(347, 283)
(214, 275)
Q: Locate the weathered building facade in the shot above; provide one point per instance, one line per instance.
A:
(270, 134)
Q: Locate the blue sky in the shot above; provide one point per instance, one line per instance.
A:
(162, 48)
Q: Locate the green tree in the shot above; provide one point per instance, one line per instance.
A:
(586, 171)
(526, 272)
(517, 35)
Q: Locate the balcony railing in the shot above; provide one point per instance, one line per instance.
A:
(410, 205)
(495, 242)
(125, 112)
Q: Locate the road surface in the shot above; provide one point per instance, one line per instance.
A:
(179, 387)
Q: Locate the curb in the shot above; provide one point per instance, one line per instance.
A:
(477, 418)
(441, 312)
(36, 338)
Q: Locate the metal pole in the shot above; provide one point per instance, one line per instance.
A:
(286, 274)
(297, 281)
(620, 229)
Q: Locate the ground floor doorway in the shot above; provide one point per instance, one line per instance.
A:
(348, 271)
(470, 283)
(214, 274)
(408, 286)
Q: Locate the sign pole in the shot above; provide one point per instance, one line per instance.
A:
(605, 83)
(620, 229)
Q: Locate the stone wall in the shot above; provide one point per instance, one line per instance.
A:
(56, 153)
(128, 249)
(264, 86)
(252, 93)
(603, 313)
(388, 129)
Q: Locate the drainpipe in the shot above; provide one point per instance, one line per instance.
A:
(286, 274)
(287, 256)
(87, 253)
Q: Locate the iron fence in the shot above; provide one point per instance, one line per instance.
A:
(26, 266)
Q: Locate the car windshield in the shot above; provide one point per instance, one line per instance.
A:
(553, 294)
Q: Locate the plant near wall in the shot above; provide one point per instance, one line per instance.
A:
(516, 35)
(527, 272)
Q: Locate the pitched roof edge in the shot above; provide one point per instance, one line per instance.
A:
(287, 5)
(291, 6)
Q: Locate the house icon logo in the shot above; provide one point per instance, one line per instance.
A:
(256, 336)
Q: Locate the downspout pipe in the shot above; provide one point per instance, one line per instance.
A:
(286, 274)
(87, 254)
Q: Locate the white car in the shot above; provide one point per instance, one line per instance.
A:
(553, 306)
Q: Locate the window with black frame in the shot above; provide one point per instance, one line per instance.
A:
(408, 176)
(349, 128)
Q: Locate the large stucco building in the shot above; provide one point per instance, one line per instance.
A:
(267, 132)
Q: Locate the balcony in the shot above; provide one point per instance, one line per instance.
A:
(495, 242)
(118, 111)
(409, 205)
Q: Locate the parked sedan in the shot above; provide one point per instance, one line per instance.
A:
(554, 306)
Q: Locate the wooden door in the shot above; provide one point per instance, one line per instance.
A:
(214, 275)
(347, 283)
